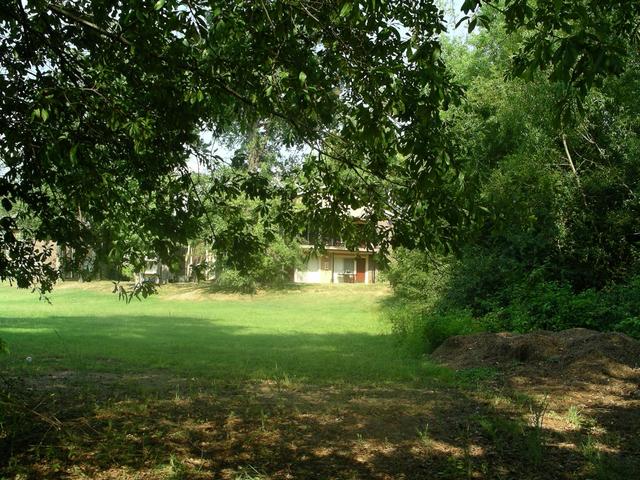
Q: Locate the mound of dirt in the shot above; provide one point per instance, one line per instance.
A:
(577, 351)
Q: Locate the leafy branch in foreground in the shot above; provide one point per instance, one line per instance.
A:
(103, 105)
(578, 42)
(138, 290)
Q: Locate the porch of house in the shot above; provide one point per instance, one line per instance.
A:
(337, 267)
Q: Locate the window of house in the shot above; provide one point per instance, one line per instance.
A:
(326, 263)
(312, 264)
(349, 265)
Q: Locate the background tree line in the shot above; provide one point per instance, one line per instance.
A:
(556, 244)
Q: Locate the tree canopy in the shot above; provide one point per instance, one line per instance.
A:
(558, 244)
(104, 102)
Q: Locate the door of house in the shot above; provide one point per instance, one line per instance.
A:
(361, 268)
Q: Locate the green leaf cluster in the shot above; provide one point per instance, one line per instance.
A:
(554, 243)
(103, 108)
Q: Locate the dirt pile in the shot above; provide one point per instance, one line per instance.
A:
(576, 351)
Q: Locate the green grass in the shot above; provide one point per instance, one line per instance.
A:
(174, 387)
(311, 334)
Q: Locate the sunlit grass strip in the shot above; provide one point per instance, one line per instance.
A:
(307, 334)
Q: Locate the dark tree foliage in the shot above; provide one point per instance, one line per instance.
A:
(560, 197)
(579, 42)
(103, 103)
(558, 244)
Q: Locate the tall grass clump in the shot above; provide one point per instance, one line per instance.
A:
(416, 311)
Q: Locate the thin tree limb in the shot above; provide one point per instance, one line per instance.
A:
(573, 168)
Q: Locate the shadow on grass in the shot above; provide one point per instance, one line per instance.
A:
(210, 350)
(135, 397)
(274, 431)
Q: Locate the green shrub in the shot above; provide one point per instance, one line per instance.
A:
(277, 265)
(545, 305)
(630, 326)
(410, 274)
(232, 281)
(419, 313)
(480, 281)
(486, 292)
(404, 317)
(415, 276)
(271, 267)
(626, 299)
(199, 271)
(438, 326)
(127, 272)
(422, 330)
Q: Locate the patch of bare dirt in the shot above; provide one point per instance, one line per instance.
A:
(582, 353)
(596, 371)
(165, 427)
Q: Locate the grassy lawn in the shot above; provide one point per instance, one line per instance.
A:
(298, 384)
(311, 334)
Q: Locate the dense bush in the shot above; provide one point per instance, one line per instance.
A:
(411, 275)
(270, 267)
(422, 330)
(553, 240)
(232, 281)
(275, 268)
(555, 306)
(416, 311)
(477, 292)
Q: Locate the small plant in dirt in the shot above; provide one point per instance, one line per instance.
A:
(264, 418)
(424, 436)
(605, 464)
(534, 437)
(501, 431)
(589, 449)
(575, 416)
(249, 473)
(283, 380)
(177, 468)
(592, 454)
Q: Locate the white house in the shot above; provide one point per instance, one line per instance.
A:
(337, 265)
